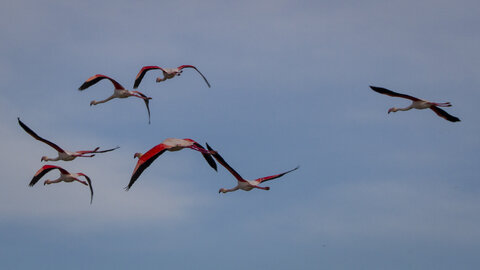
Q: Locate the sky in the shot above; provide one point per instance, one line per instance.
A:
(290, 86)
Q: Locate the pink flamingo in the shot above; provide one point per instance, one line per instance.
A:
(65, 176)
(62, 154)
(118, 92)
(417, 104)
(170, 144)
(168, 73)
(243, 184)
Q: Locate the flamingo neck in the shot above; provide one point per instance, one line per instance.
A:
(45, 158)
(225, 190)
(400, 109)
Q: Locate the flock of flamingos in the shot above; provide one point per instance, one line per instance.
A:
(173, 144)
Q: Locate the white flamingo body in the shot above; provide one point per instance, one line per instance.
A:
(242, 183)
(175, 144)
(118, 92)
(246, 185)
(63, 154)
(65, 176)
(168, 73)
(417, 103)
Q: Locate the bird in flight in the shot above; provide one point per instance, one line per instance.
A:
(118, 92)
(65, 176)
(243, 184)
(168, 73)
(62, 154)
(417, 104)
(170, 144)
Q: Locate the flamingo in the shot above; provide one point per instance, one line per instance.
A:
(168, 73)
(243, 184)
(418, 104)
(65, 176)
(170, 144)
(62, 154)
(118, 92)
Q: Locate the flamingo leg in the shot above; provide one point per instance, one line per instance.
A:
(443, 104)
(84, 155)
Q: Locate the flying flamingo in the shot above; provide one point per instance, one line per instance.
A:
(168, 73)
(243, 184)
(170, 144)
(418, 104)
(65, 176)
(62, 154)
(118, 92)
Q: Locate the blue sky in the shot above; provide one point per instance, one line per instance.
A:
(289, 87)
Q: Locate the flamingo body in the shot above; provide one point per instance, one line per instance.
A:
(168, 73)
(172, 145)
(65, 176)
(242, 183)
(417, 103)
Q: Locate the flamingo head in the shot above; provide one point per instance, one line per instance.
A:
(137, 155)
(267, 188)
(222, 190)
(93, 102)
(44, 158)
(393, 109)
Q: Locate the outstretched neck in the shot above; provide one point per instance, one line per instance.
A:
(404, 109)
(400, 109)
(45, 158)
(225, 190)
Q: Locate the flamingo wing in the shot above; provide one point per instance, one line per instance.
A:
(96, 78)
(207, 157)
(142, 73)
(34, 135)
(146, 100)
(146, 160)
(268, 178)
(89, 185)
(225, 164)
(190, 66)
(45, 169)
(392, 94)
(444, 114)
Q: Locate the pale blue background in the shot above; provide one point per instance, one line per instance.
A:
(289, 87)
